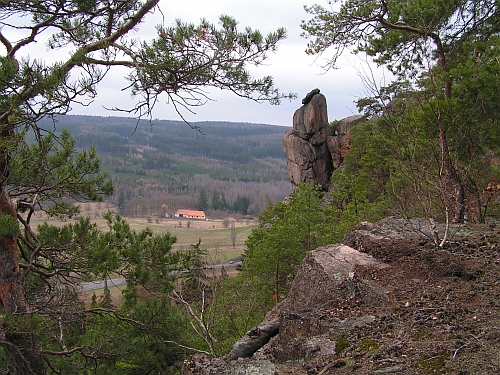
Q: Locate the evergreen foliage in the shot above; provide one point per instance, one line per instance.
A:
(241, 204)
(145, 333)
(286, 233)
(202, 203)
(42, 318)
(52, 170)
(216, 200)
(440, 111)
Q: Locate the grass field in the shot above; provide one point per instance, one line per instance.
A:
(214, 236)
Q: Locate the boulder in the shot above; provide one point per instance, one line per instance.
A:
(326, 278)
(325, 275)
(309, 96)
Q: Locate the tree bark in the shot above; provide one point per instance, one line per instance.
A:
(21, 347)
(11, 294)
(256, 338)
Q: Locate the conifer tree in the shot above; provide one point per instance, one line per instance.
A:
(202, 203)
(285, 235)
(425, 43)
(88, 39)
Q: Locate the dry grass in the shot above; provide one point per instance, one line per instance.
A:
(214, 236)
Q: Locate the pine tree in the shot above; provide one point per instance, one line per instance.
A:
(216, 200)
(202, 203)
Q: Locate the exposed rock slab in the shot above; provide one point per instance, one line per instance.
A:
(323, 276)
(202, 365)
(326, 278)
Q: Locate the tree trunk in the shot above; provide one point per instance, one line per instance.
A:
(22, 351)
(454, 177)
(11, 294)
(277, 283)
(447, 163)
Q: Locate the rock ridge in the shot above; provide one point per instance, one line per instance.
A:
(385, 300)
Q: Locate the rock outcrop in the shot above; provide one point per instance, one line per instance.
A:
(313, 147)
(384, 301)
(201, 365)
(305, 144)
(328, 277)
(339, 143)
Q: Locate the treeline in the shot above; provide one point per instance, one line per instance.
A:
(166, 163)
(147, 198)
(218, 202)
(230, 142)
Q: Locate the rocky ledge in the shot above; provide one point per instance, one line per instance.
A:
(385, 301)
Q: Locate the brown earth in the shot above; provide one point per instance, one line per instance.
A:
(432, 311)
(443, 313)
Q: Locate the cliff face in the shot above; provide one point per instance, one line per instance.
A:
(386, 301)
(305, 144)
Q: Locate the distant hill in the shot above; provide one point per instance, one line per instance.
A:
(167, 164)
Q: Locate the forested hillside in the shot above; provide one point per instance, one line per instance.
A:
(161, 166)
(428, 157)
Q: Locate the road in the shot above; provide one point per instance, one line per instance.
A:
(93, 285)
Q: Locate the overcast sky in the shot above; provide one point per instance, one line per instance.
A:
(292, 69)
